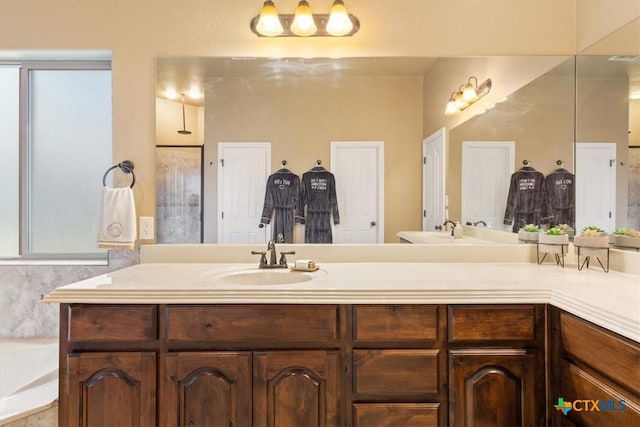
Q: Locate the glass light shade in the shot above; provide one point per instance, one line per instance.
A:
(459, 101)
(269, 22)
(339, 23)
(469, 92)
(451, 107)
(303, 23)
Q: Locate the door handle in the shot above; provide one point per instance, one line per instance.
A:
(373, 223)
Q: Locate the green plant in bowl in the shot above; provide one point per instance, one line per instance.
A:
(531, 228)
(621, 231)
(555, 231)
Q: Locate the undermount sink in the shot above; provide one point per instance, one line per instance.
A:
(264, 277)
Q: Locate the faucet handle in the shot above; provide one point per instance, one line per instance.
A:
(263, 257)
(283, 258)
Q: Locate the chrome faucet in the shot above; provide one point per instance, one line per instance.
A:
(453, 225)
(271, 248)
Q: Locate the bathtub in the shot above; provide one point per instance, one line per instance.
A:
(28, 377)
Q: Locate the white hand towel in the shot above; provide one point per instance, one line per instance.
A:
(117, 221)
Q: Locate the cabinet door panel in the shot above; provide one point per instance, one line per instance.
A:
(296, 388)
(205, 389)
(603, 351)
(493, 389)
(604, 405)
(112, 389)
(395, 414)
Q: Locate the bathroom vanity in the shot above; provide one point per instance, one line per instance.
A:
(353, 344)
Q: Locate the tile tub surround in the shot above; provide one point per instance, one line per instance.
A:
(610, 300)
(22, 315)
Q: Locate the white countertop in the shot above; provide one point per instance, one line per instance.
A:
(611, 300)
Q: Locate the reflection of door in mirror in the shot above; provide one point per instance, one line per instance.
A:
(596, 185)
(243, 169)
(178, 194)
(433, 181)
(486, 172)
(358, 168)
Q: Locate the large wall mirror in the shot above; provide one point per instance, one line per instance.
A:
(301, 106)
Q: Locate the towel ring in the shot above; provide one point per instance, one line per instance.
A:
(126, 166)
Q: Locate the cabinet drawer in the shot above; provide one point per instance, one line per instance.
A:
(601, 350)
(492, 323)
(112, 323)
(395, 374)
(395, 324)
(395, 414)
(255, 325)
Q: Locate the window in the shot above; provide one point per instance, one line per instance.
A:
(55, 145)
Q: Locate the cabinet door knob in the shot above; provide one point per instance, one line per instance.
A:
(373, 223)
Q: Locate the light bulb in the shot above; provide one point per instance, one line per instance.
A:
(303, 23)
(170, 93)
(269, 22)
(339, 23)
(459, 101)
(451, 107)
(469, 92)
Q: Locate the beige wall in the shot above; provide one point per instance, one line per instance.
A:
(301, 116)
(138, 31)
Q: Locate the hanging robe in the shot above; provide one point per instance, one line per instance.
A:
(318, 196)
(280, 201)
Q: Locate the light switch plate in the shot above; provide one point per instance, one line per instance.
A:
(146, 228)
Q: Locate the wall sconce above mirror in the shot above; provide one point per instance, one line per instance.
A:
(304, 23)
(466, 95)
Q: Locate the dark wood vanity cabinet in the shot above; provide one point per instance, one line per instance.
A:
(217, 365)
(339, 366)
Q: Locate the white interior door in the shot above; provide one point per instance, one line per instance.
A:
(595, 185)
(359, 171)
(486, 172)
(243, 169)
(433, 180)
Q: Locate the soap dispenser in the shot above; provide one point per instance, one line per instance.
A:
(457, 231)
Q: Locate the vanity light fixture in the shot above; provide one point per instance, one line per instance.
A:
(304, 23)
(466, 95)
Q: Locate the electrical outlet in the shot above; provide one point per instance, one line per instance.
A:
(146, 228)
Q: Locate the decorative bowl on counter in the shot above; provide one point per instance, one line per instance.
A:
(592, 237)
(529, 233)
(553, 241)
(627, 238)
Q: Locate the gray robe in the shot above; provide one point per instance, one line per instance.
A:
(280, 200)
(526, 202)
(560, 195)
(318, 195)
